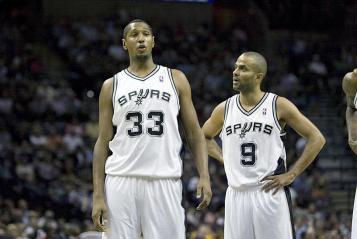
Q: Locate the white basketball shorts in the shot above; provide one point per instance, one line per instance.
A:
(143, 206)
(255, 214)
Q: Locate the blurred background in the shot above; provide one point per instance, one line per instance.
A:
(55, 55)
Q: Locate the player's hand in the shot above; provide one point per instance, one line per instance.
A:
(99, 214)
(277, 182)
(204, 187)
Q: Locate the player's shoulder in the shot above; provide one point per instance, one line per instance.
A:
(108, 82)
(218, 113)
(107, 87)
(181, 83)
(286, 108)
(220, 109)
(178, 74)
(228, 103)
(350, 77)
(281, 100)
(349, 82)
(222, 106)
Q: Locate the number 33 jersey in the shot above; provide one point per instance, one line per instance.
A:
(251, 142)
(147, 142)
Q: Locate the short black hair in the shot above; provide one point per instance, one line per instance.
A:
(259, 61)
(127, 28)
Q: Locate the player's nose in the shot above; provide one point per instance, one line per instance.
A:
(235, 73)
(140, 38)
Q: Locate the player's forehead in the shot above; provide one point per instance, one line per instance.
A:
(139, 26)
(244, 61)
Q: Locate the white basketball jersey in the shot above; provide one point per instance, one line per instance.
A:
(147, 141)
(355, 101)
(251, 143)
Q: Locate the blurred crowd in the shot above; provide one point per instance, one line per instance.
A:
(48, 122)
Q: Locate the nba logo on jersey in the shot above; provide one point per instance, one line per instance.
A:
(161, 78)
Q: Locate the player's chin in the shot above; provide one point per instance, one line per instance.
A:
(236, 87)
(142, 55)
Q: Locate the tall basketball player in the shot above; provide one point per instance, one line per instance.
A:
(349, 85)
(142, 192)
(258, 204)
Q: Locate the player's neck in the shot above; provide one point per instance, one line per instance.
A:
(251, 98)
(141, 67)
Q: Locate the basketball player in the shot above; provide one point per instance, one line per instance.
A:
(142, 191)
(251, 123)
(349, 85)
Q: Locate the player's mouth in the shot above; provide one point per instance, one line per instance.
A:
(235, 80)
(141, 47)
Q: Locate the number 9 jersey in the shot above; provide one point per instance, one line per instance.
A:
(251, 142)
(147, 142)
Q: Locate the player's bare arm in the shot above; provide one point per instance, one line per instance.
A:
(211, 128)
(351, 120)
(349, 85)
(194, 136)
(289, 114)
(99, 211)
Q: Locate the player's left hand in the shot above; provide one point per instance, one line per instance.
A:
(204, 187)
(277, 182)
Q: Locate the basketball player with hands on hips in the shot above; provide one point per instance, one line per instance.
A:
(250, 124)
(137, 189)
(349, 85)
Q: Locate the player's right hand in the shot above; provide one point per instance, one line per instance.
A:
(99, 214)
(204, 186)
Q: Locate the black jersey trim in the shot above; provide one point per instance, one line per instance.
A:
(169, 72)
(275, 112)
(280, 169)
(115, 86)
(290, 205)
(226, 107)
(153, 72)
(261, 101)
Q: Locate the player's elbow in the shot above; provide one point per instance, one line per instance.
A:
(194, 135)
(208, 137)
(103, 140)
(321, 140)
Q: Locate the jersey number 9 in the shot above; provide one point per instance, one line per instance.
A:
(248, 157)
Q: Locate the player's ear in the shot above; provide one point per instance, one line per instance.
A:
(260, 76)
(124, 44)
(153, 41)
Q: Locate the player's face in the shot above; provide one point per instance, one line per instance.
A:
(139, 40)
(244, 77)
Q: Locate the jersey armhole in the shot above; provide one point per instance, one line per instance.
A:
(115, 86)
(226, 107)
(275, 113)
(169, 72)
